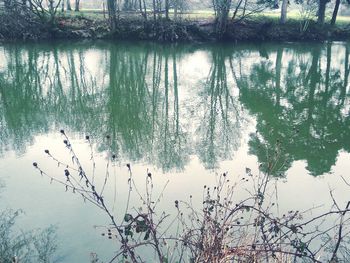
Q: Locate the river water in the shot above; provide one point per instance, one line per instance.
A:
(182, 112)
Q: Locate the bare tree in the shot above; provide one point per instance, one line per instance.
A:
(321, 13)
(167, 9)
(77, 6)
(221, 9)
(111, 6)
(69, 7)
(46, 10)
(335, 11)
(284, 7)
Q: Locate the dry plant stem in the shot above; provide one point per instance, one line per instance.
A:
(129, 193)
(95, 198)
(340, 231)
(92, 158)
(224, 229)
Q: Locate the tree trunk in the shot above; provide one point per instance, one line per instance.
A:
(222, 12)
(284, 7)
(167, 9)
(321, 11)
(52, 11)
(236, 10)
(175, 9)
(141, 9)
(104, 9)
(134, 5)
(62, 6)
(335, 12)
(159, 8)
(154, 10)
(77, 3)
(111, 6)
(145, 9)
(69, 7)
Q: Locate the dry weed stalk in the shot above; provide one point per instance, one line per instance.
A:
(224, 229)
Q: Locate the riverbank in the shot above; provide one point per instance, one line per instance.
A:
(201, 30)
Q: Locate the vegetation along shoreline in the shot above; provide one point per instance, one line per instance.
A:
(227, 21)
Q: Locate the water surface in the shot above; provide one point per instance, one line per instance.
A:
(184, 112)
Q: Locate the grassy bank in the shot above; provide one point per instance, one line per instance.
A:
(200, 27)
(262, 28)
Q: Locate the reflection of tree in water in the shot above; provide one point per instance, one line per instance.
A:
(131, 92)
(139, 111)
(39, 90)
(143, 111)
(36, 246)
(20, 95)
(127, 114)
(171, 141)
(220, 128)
(29, 247)
(303, 107)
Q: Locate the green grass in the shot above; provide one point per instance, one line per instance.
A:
(296, 16)
(293, 15)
